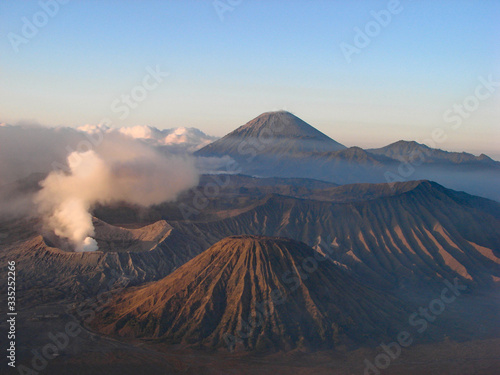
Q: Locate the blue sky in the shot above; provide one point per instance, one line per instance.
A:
(261, 56)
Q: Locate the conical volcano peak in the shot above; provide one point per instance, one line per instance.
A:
(280, 123)
(309, 301)
(272, 133)
(265, 248)
(262, 240)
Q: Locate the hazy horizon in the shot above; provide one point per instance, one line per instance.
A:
(367, 144)
(227, 66)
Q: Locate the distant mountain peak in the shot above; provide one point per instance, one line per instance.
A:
(406, 144)
(272, 133)
(402, 141)
(411, 150)
(279, 123)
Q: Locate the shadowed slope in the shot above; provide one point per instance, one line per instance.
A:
(137, 255)
(294, 296)
(414, 232)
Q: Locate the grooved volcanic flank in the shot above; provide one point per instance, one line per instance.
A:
(258, 293)
(273, 133)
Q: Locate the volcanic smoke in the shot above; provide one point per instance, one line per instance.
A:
(120, 170)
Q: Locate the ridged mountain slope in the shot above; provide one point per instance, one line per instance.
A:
(213, 299)
(47, 273)
(415, 233)
(272, 133)
(417, 152)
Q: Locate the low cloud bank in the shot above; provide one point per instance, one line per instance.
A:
(79, 172)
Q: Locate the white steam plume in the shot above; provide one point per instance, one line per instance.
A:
(119, 170)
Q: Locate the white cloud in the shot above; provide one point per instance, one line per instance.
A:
(175, 140)
(82, 168)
